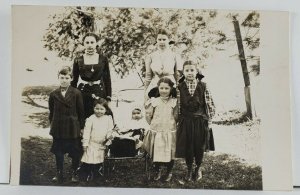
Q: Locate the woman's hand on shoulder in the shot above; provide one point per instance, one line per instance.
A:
(148, 103)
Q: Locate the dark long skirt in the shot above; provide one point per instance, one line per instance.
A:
(88, 101)
(193, 137)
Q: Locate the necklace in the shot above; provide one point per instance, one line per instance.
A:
(89, 59)
(89, 51)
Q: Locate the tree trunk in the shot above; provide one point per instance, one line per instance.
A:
(244, 66)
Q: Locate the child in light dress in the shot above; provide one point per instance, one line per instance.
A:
(98, 128)
(159, 141)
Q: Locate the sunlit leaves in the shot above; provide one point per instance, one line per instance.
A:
(252, 20)
(129, 34)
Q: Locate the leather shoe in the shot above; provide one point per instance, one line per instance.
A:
(157, 176)
(169, 177)
(58, 177)
(189, 176)
(198, 175)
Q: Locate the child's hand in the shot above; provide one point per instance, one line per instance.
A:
(107, 142)
(116, 128)
(110, 137)
(209, 124)
(81, 132)
(95, 97)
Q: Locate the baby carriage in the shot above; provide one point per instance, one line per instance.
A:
(125, 146)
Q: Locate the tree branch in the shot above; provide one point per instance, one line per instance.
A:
(86, 12)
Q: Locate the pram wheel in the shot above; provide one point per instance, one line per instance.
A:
(101, 171)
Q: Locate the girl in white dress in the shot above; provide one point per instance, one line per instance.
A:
(98, 128)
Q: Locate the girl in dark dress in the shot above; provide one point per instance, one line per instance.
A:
(196, 110)
(91, 74)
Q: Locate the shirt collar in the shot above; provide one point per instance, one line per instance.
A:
(64, 89)
(191, 82)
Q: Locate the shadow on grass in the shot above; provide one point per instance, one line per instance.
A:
(39, 119)
(38, 90)
(219, 171)
(233, 117)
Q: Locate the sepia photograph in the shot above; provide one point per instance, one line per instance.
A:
(138, 97)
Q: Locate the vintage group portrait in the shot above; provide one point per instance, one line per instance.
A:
(140, 97)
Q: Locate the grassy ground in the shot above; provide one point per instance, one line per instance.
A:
(219, 171)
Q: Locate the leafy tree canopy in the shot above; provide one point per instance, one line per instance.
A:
(128, 34)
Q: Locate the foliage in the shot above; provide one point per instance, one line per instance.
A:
(252, 20)
(252, 40)
(128, 34)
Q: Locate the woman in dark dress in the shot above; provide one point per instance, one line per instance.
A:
(91, 74)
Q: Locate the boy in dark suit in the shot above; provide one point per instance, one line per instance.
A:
(66, 122)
